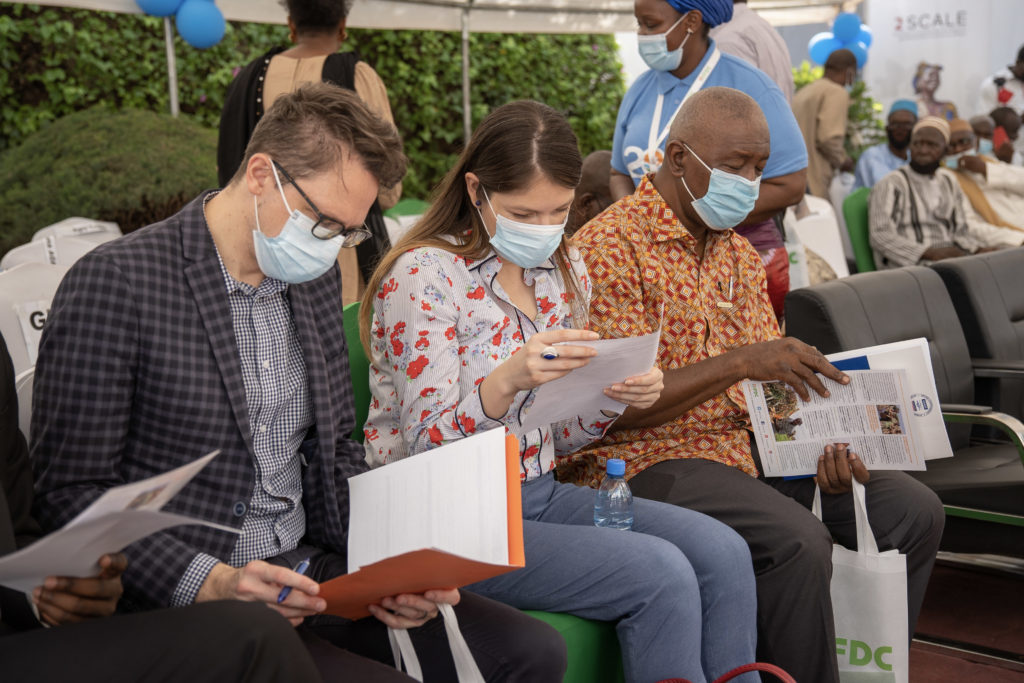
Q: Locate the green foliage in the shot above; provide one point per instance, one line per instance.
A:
(57, 61)
(866, 126)
(134, 167)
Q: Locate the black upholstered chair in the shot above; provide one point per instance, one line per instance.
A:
(988, 294)
(983, 482)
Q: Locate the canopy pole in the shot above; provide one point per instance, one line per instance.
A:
(467, 118)
(172, 67)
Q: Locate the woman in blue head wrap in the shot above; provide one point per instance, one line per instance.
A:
(673, 40)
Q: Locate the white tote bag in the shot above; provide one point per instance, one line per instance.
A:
(869, 601)
(465, 666)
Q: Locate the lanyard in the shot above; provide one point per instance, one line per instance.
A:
(654, 143)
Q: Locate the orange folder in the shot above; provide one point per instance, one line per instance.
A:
(422, 570)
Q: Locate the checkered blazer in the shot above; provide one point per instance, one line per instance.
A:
(138, 373)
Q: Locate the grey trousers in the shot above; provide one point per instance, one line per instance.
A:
(792, 550)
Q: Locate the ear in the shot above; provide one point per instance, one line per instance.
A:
(693, 21)
(259, 175)
(675, 155)
(473, 189)
(292, 33)
(342, 33)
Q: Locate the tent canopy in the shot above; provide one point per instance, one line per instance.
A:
(499, 16)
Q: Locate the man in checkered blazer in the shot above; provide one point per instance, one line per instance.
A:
(221, 328)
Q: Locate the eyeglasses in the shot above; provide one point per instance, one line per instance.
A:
(327, 228)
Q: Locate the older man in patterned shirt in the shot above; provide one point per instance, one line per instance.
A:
(668, 247)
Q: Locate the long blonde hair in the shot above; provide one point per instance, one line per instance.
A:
(511, 146)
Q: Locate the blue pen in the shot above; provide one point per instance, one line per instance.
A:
(300, 569)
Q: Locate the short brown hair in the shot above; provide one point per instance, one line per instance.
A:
(312, 128)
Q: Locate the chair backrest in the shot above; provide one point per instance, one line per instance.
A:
(819, 232)
(359, 368)
(85, 228)
(883, 307)
(26, 292)
(855, 211)
(60, 250)
(988, 294)
(23, 389)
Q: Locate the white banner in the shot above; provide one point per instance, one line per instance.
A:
(968, 39)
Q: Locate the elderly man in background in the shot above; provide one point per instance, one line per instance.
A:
(748, 36)
(917, 212)
(993, 190)
(877, 161)
(592, 194)
(821, 110)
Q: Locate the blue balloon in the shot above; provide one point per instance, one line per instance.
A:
(200, 23)
(159, 8)
(860, 51)
(865, 36)
(821, 46)
(846, 27)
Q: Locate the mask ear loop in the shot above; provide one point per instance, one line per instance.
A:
(280, 188)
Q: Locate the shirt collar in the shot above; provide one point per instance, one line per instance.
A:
(665, 81)
(494, 261)
(268, 287)
(657, 218)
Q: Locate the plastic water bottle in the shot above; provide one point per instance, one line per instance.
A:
(613, 507)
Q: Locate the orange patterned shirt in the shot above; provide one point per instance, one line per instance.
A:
(640, 259)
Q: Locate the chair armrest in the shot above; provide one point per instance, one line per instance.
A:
(1007, 424)
(1003, 369)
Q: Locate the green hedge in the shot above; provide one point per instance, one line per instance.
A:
(131, 166)
(56, 61)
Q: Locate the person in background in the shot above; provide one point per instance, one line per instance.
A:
(460, 321)
(1004, 88)
(925, 82)
(821, 110)
(673, 40)
(1006, 134)
(317, 30)
(220, 328)
(917, 211)
(748, 36)
(220, 641)
(993, 190)
(877, 161)
(592, 193)
(669, 247)
(983, 127)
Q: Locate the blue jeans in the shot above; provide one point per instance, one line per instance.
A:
(681, 584)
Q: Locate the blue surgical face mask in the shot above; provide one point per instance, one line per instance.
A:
(985, 147)
(730, 198)
(295, 255)
(953, 161)
(654, 49)
(524, 244)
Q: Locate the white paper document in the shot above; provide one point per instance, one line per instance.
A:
(926, 414)
(116, 519)
(581, 392)
(872, 414)
(453, 498)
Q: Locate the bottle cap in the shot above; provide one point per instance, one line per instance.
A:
(616, 467)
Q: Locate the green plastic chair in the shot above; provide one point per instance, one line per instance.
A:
(855, 212)
(407, 207)
(594, 655)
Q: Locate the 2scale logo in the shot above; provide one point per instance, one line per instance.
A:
(859, 653)
(930, 24)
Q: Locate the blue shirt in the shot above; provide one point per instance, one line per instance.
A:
(874, 164)
(633, 125)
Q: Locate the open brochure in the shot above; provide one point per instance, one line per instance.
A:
(116, 519)
(889, 413)
(870, 413)
(581, 392)
(441, 519)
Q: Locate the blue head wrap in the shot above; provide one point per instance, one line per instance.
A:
(715, 12)
(903, 105)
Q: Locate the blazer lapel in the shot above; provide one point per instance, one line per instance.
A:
(206, 281)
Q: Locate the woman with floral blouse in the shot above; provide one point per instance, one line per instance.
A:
(458, 319)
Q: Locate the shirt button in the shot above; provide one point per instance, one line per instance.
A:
(266, 364)
(263, 429)
(239, 509)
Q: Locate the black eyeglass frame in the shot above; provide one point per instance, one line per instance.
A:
(352, 235)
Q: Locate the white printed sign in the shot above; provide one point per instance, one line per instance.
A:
(32, 316)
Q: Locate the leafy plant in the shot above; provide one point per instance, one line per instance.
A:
(865, 124)
(133, 167)
(57, 61)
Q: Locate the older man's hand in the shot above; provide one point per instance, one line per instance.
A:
(64, 600)
(793, 362)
